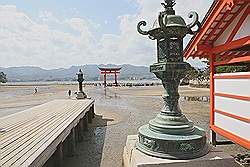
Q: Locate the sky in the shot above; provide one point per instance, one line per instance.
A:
(61, 33)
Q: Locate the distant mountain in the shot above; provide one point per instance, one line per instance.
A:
(91, 72)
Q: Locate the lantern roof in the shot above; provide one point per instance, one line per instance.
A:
(169, 19)
(170, 25)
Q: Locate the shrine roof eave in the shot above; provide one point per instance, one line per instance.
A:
(194, 38)
(214, 24)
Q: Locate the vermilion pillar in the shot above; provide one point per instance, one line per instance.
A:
(105, 79)
(116, 79)
(212, 71)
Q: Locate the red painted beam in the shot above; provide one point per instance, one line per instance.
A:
(245, 76)
(204, 48)
(233, 60)
(212, 72)
(247, 120)
(110, 72)
(237, 139)
(247, 98)
(232, 45)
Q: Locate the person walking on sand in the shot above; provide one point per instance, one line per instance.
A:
(35, 91)
(69, 92)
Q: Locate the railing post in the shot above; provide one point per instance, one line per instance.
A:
(93, 111)
(80, 130)
(90, 115)
(58, 161)
(85, 122)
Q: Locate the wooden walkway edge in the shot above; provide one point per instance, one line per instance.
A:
(32, 136)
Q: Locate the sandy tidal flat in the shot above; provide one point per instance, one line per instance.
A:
(119, 112)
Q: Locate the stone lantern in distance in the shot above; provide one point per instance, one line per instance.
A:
(80, 79)
(171, 135)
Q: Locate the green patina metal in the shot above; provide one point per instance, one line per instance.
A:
(171, 134)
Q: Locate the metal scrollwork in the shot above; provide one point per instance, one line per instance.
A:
(187, 147)
(142, 23)
(148, 143)
(151, 144)
(195, 22)
(160, 19)
(151, 37)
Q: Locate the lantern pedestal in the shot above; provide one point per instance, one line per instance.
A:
(81, 95)
(135, 158)
(171, 135)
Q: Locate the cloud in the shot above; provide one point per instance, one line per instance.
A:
(142, 49)
(25, 42)
(52, 42)
(48, 17)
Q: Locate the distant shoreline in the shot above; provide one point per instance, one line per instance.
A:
(45, 83)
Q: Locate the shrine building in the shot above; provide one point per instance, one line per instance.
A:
(224, 40)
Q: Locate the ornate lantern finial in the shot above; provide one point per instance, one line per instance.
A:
(168, 3)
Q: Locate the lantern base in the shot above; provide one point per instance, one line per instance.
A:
(172, 137)
(134, 158)
(81, 95)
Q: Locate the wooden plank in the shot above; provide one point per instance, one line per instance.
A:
(37, 137)
(28, 114)
(22, 116)
(25, 139)
(21, 151)
(39, 160)
(17, 148)
(18, 139)
(35, 121)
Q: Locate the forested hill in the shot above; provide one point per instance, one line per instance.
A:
(91, 73)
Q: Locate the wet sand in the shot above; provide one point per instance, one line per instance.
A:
(120, 112)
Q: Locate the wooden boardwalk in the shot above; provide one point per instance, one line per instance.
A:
(32, 136)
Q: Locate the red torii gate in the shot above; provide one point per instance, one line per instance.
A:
(109, 70)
